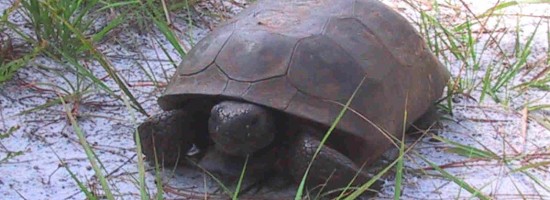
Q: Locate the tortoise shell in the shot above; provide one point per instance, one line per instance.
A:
(307, 57)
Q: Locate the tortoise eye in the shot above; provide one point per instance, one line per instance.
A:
(254, 121)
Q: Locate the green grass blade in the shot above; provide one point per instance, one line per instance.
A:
(241, 177)
(467, 151)
(508, 4)
(158, 179)
(532, 165)
(400, 164)
(456, 180)
(141, 163)
(367, 185)
(300, 190)
(118, 4)
(165, 30)
(504, 78)
(89, 153)
(224, 188)
(113, 24)
(539, 107)
(87, 44)
(81, 186)
(9, 154)
(537, 181)
(7, 70)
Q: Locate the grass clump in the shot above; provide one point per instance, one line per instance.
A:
(485, 70)
(9, 154)
(61, 30)
(58, 23)
(472, 42)
(11, 59)
(90, 155)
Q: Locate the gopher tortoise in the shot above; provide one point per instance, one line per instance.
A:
(269, 83)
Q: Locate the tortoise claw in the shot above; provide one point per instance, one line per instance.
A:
(230, 167)
(331, 170)
(169, 135)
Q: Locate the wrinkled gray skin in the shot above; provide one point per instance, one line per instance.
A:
(240, 129)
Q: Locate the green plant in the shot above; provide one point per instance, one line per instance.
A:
(9, 154)
(92, 157)
(59, 29)
(55, 22)
(459, 42)
(12, 60)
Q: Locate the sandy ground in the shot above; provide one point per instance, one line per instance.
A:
(108, 124)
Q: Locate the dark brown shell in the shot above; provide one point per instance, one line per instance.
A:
(306, 57)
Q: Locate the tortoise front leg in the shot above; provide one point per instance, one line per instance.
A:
(329, 164)
(170, 134)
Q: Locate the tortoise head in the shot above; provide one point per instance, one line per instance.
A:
(240, 128)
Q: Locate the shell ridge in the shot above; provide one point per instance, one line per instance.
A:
(223, 45)
(377, 38)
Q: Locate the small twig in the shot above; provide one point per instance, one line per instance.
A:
(484, 23)
(487, 120)
(147, 84)
(62, 164)
(166, 13)
(502, 135)
(459, 164)
(524, 113)
(120, 167)
(18, 193)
